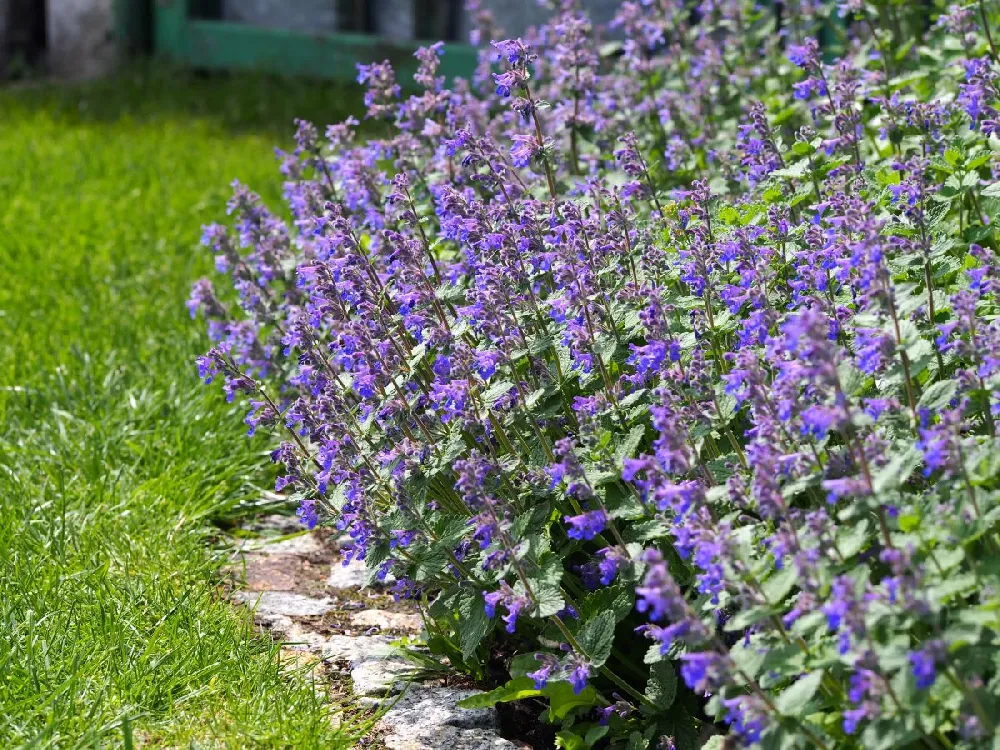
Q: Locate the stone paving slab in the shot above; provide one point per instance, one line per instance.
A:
(350, 576)
(422, 706)
(377, 678)
(285, 603)
(355, 649)
(448, 738)
(382, 620)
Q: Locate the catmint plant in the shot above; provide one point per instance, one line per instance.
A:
(659, 364)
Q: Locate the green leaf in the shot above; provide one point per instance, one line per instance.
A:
(645, 531)
(889, 735)
(953, 586)
(729, 215)
(570, 740)
(627, 447)
(992, 191)
(653, 655)
(796, 170)
(545, 585)
(661, 688)
(515, 690)
(473, 624)
(794, 699)
(852, 539)
(777, 586)
(897, 471)
(617, 598)
(596, 733)
(937, 396)
(597, 637)
(521, 664)
(446, 603)
(909, 522)
(453, 448)
(496, 390)
(562, 699)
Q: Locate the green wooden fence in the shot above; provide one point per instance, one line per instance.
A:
(180, 36)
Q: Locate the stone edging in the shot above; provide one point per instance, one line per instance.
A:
(322, 611)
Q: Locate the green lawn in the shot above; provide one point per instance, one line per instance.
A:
(114, 460)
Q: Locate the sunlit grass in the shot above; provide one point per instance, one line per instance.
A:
(114, 460)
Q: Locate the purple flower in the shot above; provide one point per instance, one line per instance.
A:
(579, 675)
(805, 56)
(705, 672)
(307, 513)
(586, 525)
(542, 675)
(924, 662)
(505, 596)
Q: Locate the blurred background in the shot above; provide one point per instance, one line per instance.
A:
(86, 38)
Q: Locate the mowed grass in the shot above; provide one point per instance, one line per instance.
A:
(115, 461)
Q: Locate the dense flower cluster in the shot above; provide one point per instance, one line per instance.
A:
(684, 346)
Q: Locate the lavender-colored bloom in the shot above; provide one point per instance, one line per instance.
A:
(542, 675)
(924, 662)
(586, 525)
(579, 675)
(307, 513)
(705, 672)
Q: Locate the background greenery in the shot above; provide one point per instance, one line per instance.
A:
(115, 462)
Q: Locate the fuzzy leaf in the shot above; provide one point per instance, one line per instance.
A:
(473, 624)
(897, 471)
(937, 396)
(627, 447)
(795, 171)
(597, 637)
(777, 586)
(661, 688)
(545, 585)
(570, 740)
(617, 598)
(794, 699)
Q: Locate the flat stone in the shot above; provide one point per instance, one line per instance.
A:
(277, 573)
(452, 738)
(285, 603)
(376, 677)
(304, 637)
(278, 624)
(385, 620)
(422, 706)
(301, 544)
(357, 649)
(350, 576)
(276, 523)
